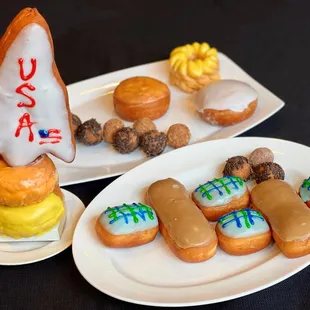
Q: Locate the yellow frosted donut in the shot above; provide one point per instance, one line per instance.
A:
(193, 66)
(32, 220)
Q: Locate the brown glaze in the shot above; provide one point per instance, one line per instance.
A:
(287, 214)
(184, 222)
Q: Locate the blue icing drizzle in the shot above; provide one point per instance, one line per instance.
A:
(128, 218)
(243, 223)
(304, 190)
(219, 191)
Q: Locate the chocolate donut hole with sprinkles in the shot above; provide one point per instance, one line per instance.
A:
(267, 171)
(238, 166)
(126, 140)
(153, 143)
(89, 133)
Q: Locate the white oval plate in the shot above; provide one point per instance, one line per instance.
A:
(151, 274)
(22, 253)
(93, 99)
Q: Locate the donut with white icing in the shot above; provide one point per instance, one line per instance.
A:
(127, 225)
(304, 191)
(243, 232)
(226, 102)
(219, 196)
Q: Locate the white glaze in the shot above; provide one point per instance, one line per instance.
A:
(233, 231)
(120, 227)
(225, 95)
(217, 199)
(50, 110)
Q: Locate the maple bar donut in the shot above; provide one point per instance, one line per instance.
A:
(287, 214)
(141, 97)
(243, 232)
(226, 102)
(24, 185)
(183, 226)
(217, 197)
(304, 191)
(127, 225)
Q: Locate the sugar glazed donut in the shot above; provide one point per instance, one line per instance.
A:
(141, 97)
(127, 225)
(243, 232)
(217, 197)
(226, 102)
(287, 214)
(183, 226)
(24, 185)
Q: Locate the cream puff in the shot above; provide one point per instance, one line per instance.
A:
(243, 232)
(217, 197)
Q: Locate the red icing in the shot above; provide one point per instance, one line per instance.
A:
(25, 122)
(19, 90)
(46, 142)
(22, 72)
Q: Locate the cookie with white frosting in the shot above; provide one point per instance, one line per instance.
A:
(243, 232)
(226, 102)
(127, 225)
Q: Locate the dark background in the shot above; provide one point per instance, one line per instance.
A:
(268, 39)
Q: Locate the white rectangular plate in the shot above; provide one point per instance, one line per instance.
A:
(93, 99)
(151, 274)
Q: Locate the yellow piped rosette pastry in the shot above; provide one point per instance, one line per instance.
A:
(193, 66)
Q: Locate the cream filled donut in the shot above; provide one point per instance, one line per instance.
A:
(226, 102)
(243, 232)
(127, 225)
(217, 197)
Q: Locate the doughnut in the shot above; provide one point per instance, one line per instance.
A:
(126, 140)
(226, 102)
(243, 232)
(266, 171)
(178, 135)
(183, 226)
(127, 225)
(76, 122)
(30, 82)
(193, 66)
(90, 132)
(21, 186)
(217, 197)
(238, 166)
(143, 125)
(110, 128)
(153, 143)
(304, 191)
(32, 220)
(286, 213)
(261, 155)
(140, 97)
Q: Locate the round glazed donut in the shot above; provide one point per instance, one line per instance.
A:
(26, 185)
(226, 102)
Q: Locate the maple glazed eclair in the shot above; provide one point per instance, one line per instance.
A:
(287, 214)
(183, 226)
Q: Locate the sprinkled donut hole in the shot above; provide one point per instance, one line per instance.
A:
(238, 166)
